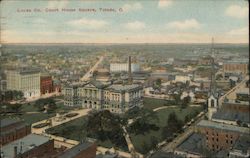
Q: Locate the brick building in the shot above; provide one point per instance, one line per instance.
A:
(236, 67)
(220, 136)
(12, 129)
(29, 146)
(46, 85)
(85, 149)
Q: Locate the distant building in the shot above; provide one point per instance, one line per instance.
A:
(46, 85)
(13, 129)
(236, 66)
(182, 78)
(85, 149)
(29, 146)
(25, 80)
(124, 67)
(95, 95)
(102, 75)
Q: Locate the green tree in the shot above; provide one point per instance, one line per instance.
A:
(154, 142)
(174, 125)
(15, 107)
(186, 100)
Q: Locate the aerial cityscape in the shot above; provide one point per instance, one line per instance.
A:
(124, 79)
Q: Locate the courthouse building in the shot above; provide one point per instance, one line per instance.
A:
(116, 98)
(25, 80)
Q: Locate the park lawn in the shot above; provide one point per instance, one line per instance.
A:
(75, 130)
(60, 107)
(33, 118)
(152, 103)
(163, 114)
(28, 107)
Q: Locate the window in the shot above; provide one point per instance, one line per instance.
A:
(212, 103)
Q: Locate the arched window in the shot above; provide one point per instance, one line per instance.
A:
(212, 103)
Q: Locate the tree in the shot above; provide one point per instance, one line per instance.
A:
(185, 102)
(15, 107)
(239, 122)
(154, 142)
(104, 125)
(174, 125)
(145, 147)
(142, 120)
(49, 102)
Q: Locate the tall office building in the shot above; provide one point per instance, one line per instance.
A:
(25, 80)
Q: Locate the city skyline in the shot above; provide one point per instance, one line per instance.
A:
(139, 22)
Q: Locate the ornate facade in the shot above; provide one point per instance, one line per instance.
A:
(95, 95)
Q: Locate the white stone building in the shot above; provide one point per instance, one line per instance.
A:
(25, 80)
(120, 67)
(116, 98)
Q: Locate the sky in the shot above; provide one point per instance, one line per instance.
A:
(144, 21)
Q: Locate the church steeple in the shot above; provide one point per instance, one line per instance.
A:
(212, 97)
(212, 82)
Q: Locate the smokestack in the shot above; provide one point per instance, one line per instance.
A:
(130, 79)
(15, 151)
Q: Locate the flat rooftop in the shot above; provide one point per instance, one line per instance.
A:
(8, 121)
(28, 142)
(222, 126)
(76, 150)
(120, 87)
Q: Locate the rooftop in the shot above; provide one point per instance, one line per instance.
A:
(243, 143)
(222, 126)
(25, 70)
(120, 87)
(76, 149)
(193, 144)
(8, 121)
(27, 142)
(240, 61)
(232, 116)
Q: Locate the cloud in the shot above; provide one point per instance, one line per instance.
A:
(88, 23)
(164, 3)
(184, 25)
(57, 4)
(132, 7)
(136, 25)
(237, 11)
(239, 31)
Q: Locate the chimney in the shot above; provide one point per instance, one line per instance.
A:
(130, 79)
(15, 151)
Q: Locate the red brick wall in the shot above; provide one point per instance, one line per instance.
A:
(46, 84)
(236, 107)
(88, 153)
(40, 151)
(218, 139)
(15, 134)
